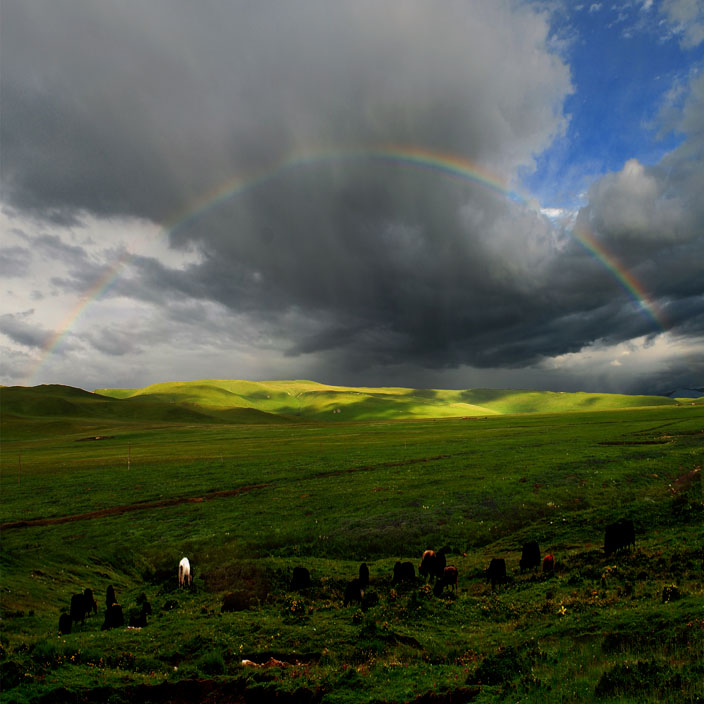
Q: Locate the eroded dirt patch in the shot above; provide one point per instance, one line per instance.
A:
(634, 442)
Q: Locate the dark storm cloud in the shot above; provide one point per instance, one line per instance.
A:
(138, 108)
(143, 109)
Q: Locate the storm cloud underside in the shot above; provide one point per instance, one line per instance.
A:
(136, 111)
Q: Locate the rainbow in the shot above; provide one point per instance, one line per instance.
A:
(631, 285)
(446, 165)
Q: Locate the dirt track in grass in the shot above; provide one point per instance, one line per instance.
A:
(176, 501)
(128, 508)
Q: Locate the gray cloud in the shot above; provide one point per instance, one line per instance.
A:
(19, 330)
(143, 109)
(14, 261)
(138, 109)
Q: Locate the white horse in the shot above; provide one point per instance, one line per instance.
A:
(184, 573)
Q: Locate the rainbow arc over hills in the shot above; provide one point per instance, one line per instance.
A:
(445, 165)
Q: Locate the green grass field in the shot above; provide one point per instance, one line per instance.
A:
(251, 479)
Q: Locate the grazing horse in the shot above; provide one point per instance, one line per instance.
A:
(185, 578)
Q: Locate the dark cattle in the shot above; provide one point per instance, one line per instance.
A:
(448, 579)
(300, 578)
(549, 564)
(364, 575)
(496, 574)
(353, 592)
(110, 597)
(65, 624)
(530, 555)
(404, 572)
(139, 619)
(146, 606)
(440, 563)
(428, 564)
(619, 536)
(90, 602)
(78, 608)
(114, 618)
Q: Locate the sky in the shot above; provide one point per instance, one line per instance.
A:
(457, 194)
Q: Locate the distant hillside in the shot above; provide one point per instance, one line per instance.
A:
(56, 403)
(314, 401)
(24, 409)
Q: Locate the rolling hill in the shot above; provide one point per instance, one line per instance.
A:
(314, 401)
(221, 401)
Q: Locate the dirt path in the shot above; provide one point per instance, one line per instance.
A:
(140, 506)
(147, 505)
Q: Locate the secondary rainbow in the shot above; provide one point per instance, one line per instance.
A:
(446, 165)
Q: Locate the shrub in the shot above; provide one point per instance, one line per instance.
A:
(211, 663)
(46, 653)
(10, 674)
(632, 679)
(670, 592)
(505, 666)
(236, 601)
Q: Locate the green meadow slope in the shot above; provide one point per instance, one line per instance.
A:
(68, 407)
(248, 503)
(314, 401)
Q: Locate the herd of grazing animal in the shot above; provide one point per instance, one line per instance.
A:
(618, 537)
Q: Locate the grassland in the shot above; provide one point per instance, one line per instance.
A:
(312, 401)
(250, 491)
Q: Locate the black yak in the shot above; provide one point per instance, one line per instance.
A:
(300, 578)
(364, 575)
(530, 555)
(139, 619)
(110, 597)
(404, 572)
(114, 618)
(79, 608)
(496, 573)
(90, 603)
(619, 536)
(353, 592)
(65, 624)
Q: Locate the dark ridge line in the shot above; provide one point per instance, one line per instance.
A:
(128, 508)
